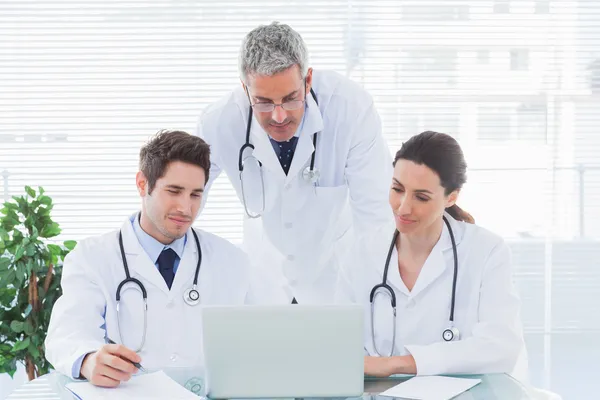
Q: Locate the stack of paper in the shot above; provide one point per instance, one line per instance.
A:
(156, 385)
(431, 388)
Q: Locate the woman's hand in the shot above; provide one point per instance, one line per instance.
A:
(382, 367)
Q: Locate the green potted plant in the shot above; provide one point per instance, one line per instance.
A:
(30, 270)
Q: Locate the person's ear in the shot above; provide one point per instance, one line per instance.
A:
(452, 197)
(142, 183)
(308, 80)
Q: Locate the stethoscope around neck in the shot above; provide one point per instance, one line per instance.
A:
(449, 334)
(191, 295)
(310, 173)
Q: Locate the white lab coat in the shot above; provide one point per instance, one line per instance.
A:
(94, 269)
(305, 230)
(486, 310)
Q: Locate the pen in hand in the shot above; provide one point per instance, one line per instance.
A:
(137, 365)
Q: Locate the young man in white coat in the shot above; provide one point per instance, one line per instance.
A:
(154, 318)
(305, 154)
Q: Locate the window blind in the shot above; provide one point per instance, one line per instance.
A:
(83, 84)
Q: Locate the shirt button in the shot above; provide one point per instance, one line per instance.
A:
(173, 357)
(288, 186)
(288, 225)
(290, 257)
(170, 304)
(410, 303)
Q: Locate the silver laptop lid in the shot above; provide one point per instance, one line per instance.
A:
(283, 351)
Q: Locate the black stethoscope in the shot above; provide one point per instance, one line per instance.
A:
(310, 173)
(451, 333)
(191, 296)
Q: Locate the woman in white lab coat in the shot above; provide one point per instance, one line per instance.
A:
(430, 331)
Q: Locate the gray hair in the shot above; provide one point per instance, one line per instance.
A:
(270, 49)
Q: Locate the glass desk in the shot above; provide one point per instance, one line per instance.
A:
(492, 386)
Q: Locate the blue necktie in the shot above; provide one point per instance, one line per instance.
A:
(286, 153)
(166, 263)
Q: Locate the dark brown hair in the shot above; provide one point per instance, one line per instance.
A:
(442, 154)
(168, 146)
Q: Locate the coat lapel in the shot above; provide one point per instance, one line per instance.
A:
(441, 257)
(187, 266)
(313, 123)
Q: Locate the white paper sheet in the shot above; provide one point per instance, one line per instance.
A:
(431, 388)
(156, 385)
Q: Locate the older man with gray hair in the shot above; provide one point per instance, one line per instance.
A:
(303, 149)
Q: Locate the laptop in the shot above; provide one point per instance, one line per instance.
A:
(283, 351)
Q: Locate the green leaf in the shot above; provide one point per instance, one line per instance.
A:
(22, 345)
(22, 203)
(29, 222)
(9, 277)
(55, 249)
(70, 244)
(51, 230)
(5, 348)
(9, 222)
(10, 206)
(30, 250)
(29, 267)
(19, 253)
(21, 267)
(4, 263)
(30, 191)
(9, 366)
(35, 204)
(33, 350)
(17, 326)
(28, 328)
(45, 200)
(43, 214)
(7, 296)
(17, 237)
(36, 340)
(41, 190)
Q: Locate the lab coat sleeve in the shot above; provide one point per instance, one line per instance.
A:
(497, 338)
(75, 327)
(369, 172)
(207, 132)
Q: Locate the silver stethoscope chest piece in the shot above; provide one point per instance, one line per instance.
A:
(311, 175)
(192, 296)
